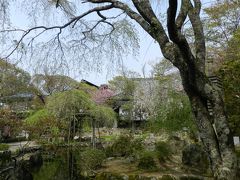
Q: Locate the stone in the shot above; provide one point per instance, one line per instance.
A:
(36, 160)
(168, 177)
(193, 156)
(236, 140)
(5, 156)
(191, 177)
(22, 171)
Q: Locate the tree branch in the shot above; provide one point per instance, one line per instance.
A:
(157, 30)
(57, 3)
(72, 21)
(132, 14)
(176, 36)
(182, 14)
(194, 16)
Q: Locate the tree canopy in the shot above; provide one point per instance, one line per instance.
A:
(49, 84)
(68, 104)
(13, 80)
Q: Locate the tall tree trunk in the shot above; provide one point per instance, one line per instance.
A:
(228, 164)
(214, 131)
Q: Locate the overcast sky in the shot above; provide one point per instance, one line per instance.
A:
(149, 53)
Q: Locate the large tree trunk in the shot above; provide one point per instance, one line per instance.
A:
(213, 127)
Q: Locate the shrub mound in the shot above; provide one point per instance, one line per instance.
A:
(163, 151)
(146, 161)
(125, 146)
(92, 159)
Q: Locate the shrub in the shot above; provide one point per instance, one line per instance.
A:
(109, 151)
(11, 122)
(122, 147)
(42, 123)
(238, 152)
(173, 115)
(125, 146)
(92, 159)
(5, 157)
(137, 144)
(4, 147)
(146, 161)
(163, 151)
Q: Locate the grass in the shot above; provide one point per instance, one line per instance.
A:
(238, 151)
(109, 138)
(4, 147)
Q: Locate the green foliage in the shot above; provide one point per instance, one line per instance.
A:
(4, 147)
(230, 76)
(86, 88)
(220, 24)
(137, 145)
(68, 104)
(91, 159)
(47, 171)
(49, 84)
(231, 81)
(162, 68)
(13, 80)
(86, 124)
(238, 152)
(105, 116)
(232, 53)
(123, 84)
(125, 118)
(223, 17)
(42, 123)
(122, 146)
(173, 115)
(10, 119)
(37, 116)
(146, 161)
(125, 145)
(163, 151)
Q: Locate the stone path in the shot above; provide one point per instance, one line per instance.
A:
(18, 145)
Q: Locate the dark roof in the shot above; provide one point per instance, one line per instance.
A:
(26, 96)
(89, 83)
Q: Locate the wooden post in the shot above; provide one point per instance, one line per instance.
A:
(93, 133)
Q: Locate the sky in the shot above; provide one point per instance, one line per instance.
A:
(149, 54)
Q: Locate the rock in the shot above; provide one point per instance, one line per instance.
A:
(130, 159)
(22, 171)
(138, 132)
(110, 158)
(193, 156)
(168, 177)
(36, 160)
(109, 176)
(99, 145)
(149, 142)
(115, 176)
(177, 141)
(86, 139)
(190, 177)
(5, 156)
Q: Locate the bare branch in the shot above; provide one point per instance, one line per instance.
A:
(132, 14)
(72, 21)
